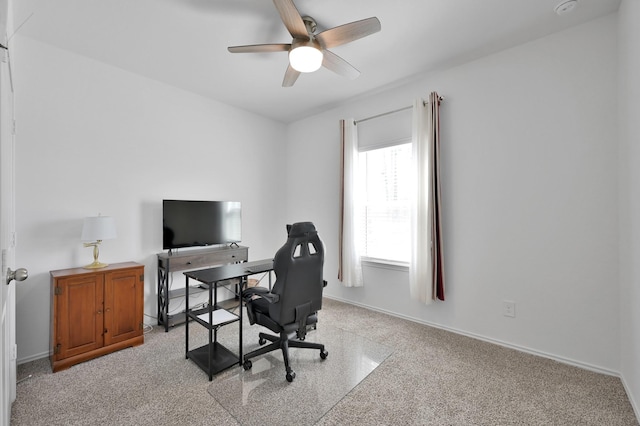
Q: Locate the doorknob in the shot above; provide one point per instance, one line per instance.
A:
(19, 274)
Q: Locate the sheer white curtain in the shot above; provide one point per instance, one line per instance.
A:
(426, 272)
(350, 266)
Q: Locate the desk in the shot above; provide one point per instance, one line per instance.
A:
(189, 260)
(214, 357)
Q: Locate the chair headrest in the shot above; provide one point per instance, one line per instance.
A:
(301, 229)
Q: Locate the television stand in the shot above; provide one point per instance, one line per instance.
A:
(189, 260)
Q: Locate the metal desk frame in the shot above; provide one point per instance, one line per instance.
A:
(213, 357)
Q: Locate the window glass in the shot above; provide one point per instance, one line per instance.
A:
(385, 174)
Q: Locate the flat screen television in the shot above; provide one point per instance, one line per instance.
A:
(190, 223)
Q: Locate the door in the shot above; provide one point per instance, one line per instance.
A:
(7, 243)
(123, 305)
(78, 315)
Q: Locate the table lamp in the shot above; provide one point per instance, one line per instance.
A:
(96, 229)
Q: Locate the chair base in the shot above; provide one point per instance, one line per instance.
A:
(283, 343)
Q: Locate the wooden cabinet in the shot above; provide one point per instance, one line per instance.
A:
(95, 312)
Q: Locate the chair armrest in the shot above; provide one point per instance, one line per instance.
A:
(270, 297)
(259, 293)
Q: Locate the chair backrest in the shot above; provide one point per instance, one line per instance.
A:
(298, 267)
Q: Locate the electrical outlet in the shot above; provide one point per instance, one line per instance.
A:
(14, 352)
(509, 308)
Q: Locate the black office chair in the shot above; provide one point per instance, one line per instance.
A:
(292, 305)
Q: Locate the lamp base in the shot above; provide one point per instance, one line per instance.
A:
(96, 265)
(96, 252)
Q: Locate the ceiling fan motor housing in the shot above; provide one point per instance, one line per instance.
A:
(309, 43)
(310, 23)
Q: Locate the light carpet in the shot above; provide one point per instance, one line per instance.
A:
(432, 377)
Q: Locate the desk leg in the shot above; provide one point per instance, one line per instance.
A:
(186, 324)
(243, 284)
(211, 335)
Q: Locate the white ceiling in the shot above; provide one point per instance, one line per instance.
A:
(184, 42)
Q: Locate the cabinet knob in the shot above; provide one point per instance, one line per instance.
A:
(99, 312)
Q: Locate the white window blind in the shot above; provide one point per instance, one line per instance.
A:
(385, 130)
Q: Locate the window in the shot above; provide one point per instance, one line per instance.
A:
(390, 199)
(385, 185)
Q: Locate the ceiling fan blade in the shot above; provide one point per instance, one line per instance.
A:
(257, 48)
(291, 18)
(348, 32)
(290, 77)
(335, 63)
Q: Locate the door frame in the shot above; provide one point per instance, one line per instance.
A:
(8, 354)
(8, 349)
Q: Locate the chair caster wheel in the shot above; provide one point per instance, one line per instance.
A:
(261, 341)
(247, 365)
(291, 376)
(324, 354)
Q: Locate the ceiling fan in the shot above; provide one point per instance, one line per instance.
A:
(308, 51)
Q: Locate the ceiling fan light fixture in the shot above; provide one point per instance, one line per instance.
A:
(305, 58)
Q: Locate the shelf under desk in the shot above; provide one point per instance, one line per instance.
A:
(213, 357)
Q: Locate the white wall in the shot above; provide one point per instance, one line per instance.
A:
(629, 98)
(530, 196)
(92, 138)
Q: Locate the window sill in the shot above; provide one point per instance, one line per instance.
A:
(385, 264)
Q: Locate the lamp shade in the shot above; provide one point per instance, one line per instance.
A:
(305, 58)
(98, 228)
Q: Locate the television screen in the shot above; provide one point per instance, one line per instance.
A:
(189, 223)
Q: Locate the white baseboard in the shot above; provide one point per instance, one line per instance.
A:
(519, 348)
(32, 358)
(630, 395)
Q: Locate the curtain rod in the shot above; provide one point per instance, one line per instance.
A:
(362, 120)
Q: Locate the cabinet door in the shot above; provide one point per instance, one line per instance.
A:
(79, 315)
(123, 304)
